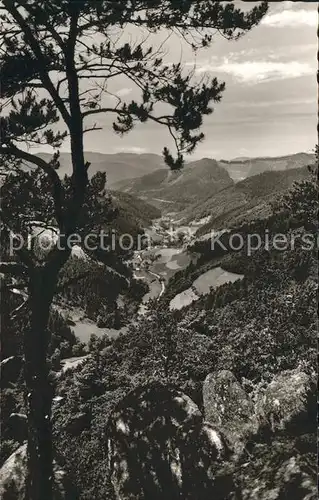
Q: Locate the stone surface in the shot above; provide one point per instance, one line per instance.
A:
(10, 369)
(159, 447)
(13, 475)
(227, 406)
(283, 453)
(283, 399)
(273, 476)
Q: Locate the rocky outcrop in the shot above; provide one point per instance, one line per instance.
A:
(227, 406)
(284, 399)
(274, 475)
(276, 430)
(273, 432)
(159, 447)
(10, 369)
(13, 476)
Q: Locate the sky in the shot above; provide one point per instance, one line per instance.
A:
(269, 107)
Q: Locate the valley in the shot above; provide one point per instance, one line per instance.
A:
(250, 321)
(155, 266)
(173, 228)
(190, 190)
(172, 237)
(175, 311)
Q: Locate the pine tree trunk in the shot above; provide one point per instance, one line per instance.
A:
(39, 390)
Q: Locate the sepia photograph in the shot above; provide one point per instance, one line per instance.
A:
(159, 249)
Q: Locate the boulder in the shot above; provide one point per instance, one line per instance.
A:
(18, 427)
(10, 369)
(271, 474)
(227, 406)
(284, 399)
(13, 476)
(159, 447)
(283, 452)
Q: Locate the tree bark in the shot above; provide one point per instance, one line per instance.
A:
(39, 481)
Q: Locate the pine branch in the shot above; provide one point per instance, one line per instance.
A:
(157, 119)
(34, 45)
(49, 170)
(23, 253)
(16, 312)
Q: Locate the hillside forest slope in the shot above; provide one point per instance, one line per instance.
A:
(262, 329)
(246, 200)
(240, 168)
(173, 191)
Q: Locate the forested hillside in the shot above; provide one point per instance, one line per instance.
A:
(240, 168)
(244, 201)
(259, 329)
(174, 191)
(132, 212)
(91, 281)
(205, 187)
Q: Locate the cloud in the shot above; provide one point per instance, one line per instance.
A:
(259, 71)
(308, 50)
(272, 102)
(269, 51)
(286, 5)
(291, 18)
(131, 149)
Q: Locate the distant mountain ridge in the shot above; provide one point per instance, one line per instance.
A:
(118, 166)
(122, 167)
(240, 168)
(189, 189)
(173, 191)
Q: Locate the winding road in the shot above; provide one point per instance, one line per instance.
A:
(162, 282)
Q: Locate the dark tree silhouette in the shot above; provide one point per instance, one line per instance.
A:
(56, 60)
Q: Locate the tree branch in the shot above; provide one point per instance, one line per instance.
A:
(39, 162)
(34, 45)
(92, 129)
(23, 253)
(157, 119)
(15, 313)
